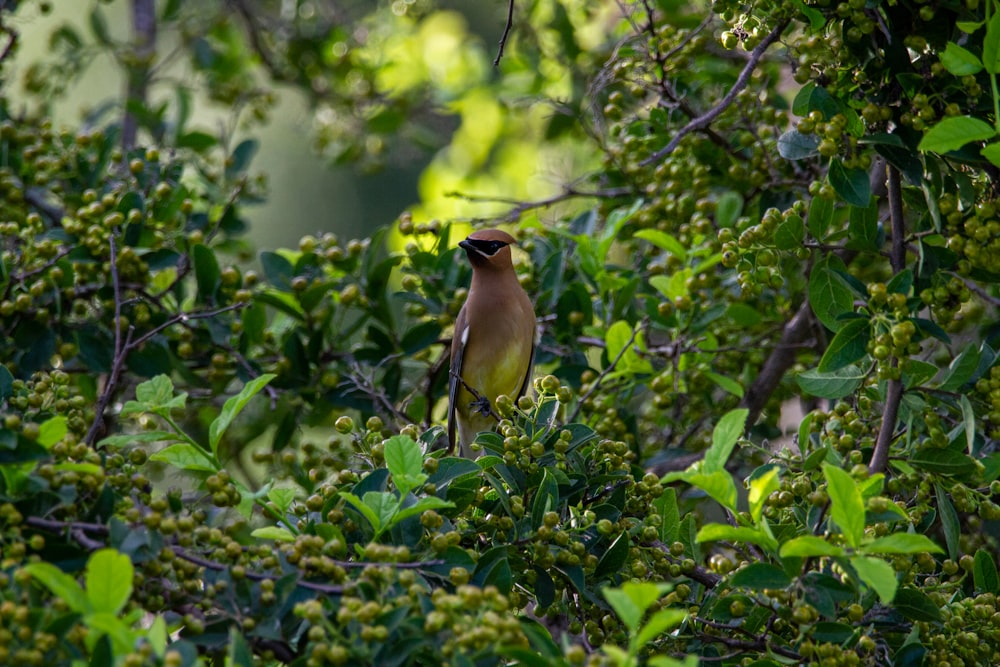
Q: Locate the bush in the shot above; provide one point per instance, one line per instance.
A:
(203, 463)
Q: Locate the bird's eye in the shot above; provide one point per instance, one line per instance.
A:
(488, 248)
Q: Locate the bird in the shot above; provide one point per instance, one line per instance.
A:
(493, 348)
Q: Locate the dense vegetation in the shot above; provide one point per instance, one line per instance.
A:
(759, 207)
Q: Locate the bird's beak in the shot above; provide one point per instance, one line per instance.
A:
(465, 245)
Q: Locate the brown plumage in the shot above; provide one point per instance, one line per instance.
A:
(494, 342)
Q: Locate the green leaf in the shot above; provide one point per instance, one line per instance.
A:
(862, 228)
(829, 295)
(233, 406)
(943, 461)
(663, 241)
(969, 422)
(815, 98)
(743, 314)
(837, 384)
(851, 185)
(960, 61)
(992, 153)
(915, 605)
(241, 157)
(185, 456)
(666, 507)
(6, 383)
(759, 576)
(790, 233)
(793, 145)
(819, 217)
(282, 498)
(761, 487)
(659, 623)
(991, 45)
(878, 575)
(632, 600)
(719, 485)
(714, 532)
(848, 346)
(99, 26)
(419, 507)
(197, 141)
(137, 438)
(277, 269)
(949, 521)
(961, 368)
(916, 372)
(273, 533)
(367, 512)
(158, 392)
(546, 498)
(727, 384)
(902, 543)
(808, 546)
(984, 573)
(614, 559)
(405, 462)
(725, 435)
(238, 654)
(953, 132)
(728, 208)
(60, 585)
(109, 581)
(51, 431)
(847, 508)
(385, 505)
(206, 272)
(157, 636)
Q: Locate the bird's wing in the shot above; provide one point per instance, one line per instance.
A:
(458, 341)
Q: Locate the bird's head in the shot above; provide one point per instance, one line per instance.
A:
(488, 249)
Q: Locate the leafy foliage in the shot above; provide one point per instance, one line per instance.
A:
(205, 463)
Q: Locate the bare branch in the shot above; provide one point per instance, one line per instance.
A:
(506, 32)
(604, 373)
(704, 120)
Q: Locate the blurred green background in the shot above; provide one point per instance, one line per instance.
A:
(306, 193)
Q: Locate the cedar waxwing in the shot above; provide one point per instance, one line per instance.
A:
(494, 341)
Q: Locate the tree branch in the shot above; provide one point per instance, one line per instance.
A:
(794, 335)
(704, 120)
(894, 390)
(144, 44)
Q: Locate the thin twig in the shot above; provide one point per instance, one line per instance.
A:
(604, 373)
(519, 207)
(506, 32)
(704, 120)
(978, 289)
(121, 344)
(11, 41)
